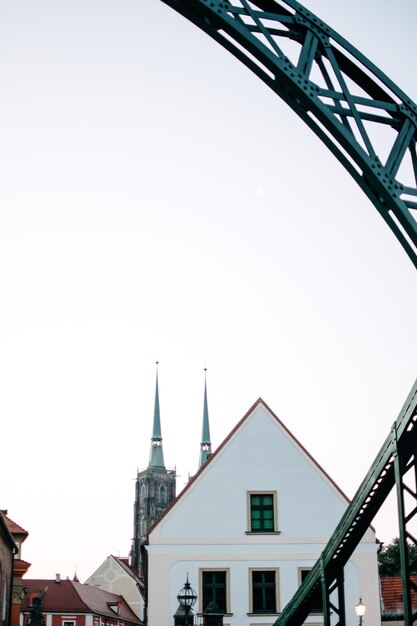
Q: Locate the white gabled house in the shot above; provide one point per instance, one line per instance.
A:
(249, 526)
(115, 575)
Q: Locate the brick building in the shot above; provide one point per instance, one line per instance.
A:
(20, 567)
(8, 549)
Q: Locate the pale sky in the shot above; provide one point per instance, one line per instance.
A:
(158, 202)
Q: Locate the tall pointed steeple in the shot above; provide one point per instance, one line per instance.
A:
(156, 456)
(154, 491)
(205, 445)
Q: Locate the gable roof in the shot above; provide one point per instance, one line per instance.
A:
(259, 402)
(100, 601)
(14, 528)
(126, 567)
(69, 596)
(6, 534)
(123, 563)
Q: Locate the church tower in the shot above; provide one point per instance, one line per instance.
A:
(205, 445)
(155, 489)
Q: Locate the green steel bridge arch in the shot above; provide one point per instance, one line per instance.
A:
(341, 95)
(350, 104)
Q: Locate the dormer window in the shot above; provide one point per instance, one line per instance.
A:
(113, 606)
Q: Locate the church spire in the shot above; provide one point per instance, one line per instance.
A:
(205, 446)
(156, 457)
(154, 491)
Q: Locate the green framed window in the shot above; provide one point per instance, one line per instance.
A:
(264, 591)
(214, 588)
(262, 512)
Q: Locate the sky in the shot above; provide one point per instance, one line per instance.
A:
(159, 202)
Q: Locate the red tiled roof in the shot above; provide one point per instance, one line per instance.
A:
(6, 534)
(68, 596)
(222, 445)
(58, 597)
(99, 600)
(392, 594)
(14, 528)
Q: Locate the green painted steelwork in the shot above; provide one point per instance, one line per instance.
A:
(336, 90)
(343, 97)
(394, 461)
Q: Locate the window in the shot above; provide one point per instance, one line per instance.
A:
(264, 599)
(68, 623)
(302, 575)
(113, 606)
(162, 495)
(262, 512)
(214, 587)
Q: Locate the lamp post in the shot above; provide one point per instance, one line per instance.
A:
(187, 597)
(360, 609)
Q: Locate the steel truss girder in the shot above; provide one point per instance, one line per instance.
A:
(392, 466)
(343, 98)
(336, 91)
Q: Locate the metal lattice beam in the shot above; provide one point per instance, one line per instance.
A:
(368, 123)
(395, 460)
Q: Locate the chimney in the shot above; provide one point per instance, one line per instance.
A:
(58, 578)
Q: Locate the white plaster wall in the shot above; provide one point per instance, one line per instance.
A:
(169, 572)
(207, 527)
(260, 456)
(110, 576)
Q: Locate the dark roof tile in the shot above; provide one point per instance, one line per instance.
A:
(69, 596)
(14, 528)
(392, 594)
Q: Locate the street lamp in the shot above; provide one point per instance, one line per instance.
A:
(187, 597)
(360, 609)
